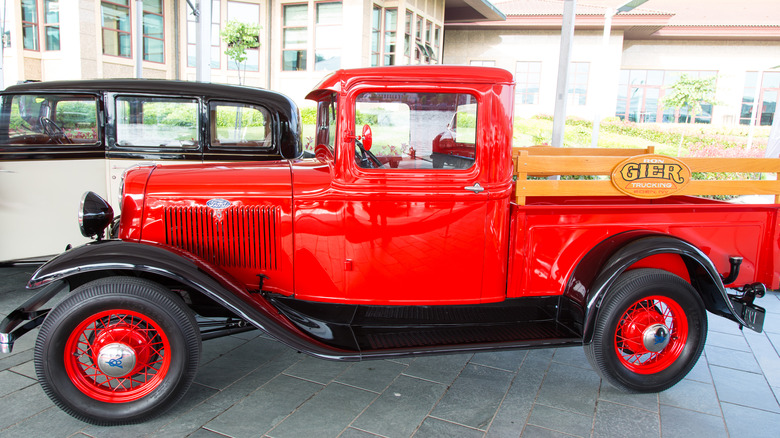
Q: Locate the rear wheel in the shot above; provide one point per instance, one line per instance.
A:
(649, 333)
(117, 351)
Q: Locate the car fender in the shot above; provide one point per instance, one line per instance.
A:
(613, 256)
(116, 257)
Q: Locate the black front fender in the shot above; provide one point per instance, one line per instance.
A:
(116, 257)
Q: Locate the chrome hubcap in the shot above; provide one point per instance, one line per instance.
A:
(116, 359)
(656, 337)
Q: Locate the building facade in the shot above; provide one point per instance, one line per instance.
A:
(647, 50)
(300, 40)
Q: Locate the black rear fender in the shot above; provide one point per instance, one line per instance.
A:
(601, 267)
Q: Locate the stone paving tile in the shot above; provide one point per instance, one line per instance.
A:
(540, 432)
(317, 370)
(355, 433)
(503, 360)
(570, 388)
(517, 405)
(613, 420)
(691, 395)
(20, 405)
(730, 341)
(744, 422)
(401, 408)
(727, 358)
(328, 413)
(188, 423)
(221, 372)
(676, 423)
(701, 371)
(648, 402)
(435, 428)
(265, 408)
(440, 369)
(765, 355)
(11, 382)
(743, 388)
(53, 422)
(474, 397)
(561, 421)
(574, 356)
(374, 375)
(26, 369)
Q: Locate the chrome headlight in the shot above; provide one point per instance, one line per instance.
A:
(95, 214)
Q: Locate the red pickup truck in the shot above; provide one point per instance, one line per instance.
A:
(416, 229)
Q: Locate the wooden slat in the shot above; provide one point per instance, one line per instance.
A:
(601, 165)
(553, 151)
(605, 188)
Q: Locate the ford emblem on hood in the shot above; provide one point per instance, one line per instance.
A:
(218, 204)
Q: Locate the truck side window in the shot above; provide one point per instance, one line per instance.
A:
(327, 116)
(240, 125)
(418, 130)
(49, 119)
(157, 122)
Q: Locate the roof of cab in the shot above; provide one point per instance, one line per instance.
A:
(414, 73)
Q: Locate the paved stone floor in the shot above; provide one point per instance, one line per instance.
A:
(249, 385)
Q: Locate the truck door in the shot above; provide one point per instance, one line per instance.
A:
(414, 227)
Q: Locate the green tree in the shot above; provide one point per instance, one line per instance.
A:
(239, 37)
(690, 93)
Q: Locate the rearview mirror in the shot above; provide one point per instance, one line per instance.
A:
(366, 137)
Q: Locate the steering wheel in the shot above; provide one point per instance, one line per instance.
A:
(54, 131)
(366, 158)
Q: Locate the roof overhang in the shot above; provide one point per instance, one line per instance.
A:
(460, 11)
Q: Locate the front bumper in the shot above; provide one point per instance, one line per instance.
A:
(29, 315)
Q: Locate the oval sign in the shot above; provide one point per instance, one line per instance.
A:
(218, 204)
(651, 176)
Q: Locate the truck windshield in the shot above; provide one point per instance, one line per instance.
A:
(419, 130)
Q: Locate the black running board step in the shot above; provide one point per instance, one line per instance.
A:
(528, 334)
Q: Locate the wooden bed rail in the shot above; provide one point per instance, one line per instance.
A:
(542, 161)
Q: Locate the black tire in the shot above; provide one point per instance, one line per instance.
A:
(97, 317)
(629, 319)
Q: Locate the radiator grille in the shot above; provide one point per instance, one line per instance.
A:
(243, 237)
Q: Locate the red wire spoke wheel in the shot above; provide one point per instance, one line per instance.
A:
(649, 332)
(117, 356)
(118, 350)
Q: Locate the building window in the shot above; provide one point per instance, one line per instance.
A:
(51, 20)
(192, 29)
(436, 42)
(639, 93)
(30, 24)
(391, 23)
(578, 83)
(250, 14)
(483, 63)
(376, 32)
(408, 36)
(327, 37)
(154, 31)
(116, 28)
(528, 75)
(419, 50)
(294, 39)
(767, 96)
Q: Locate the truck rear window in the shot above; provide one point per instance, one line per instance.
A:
(419, 130)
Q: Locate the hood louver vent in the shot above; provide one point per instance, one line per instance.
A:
(242, 237)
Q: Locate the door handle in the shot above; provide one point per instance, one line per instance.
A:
(476, 188)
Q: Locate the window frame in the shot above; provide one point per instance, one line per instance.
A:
(304, 46)
(523, 85)
(33, 25)
(117, 31)
(146, 36)
(114, 122)
(53, 25)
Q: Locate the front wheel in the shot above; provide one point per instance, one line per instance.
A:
(119, 350)
(650, 331)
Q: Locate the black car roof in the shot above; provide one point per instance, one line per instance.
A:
(283, 106)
